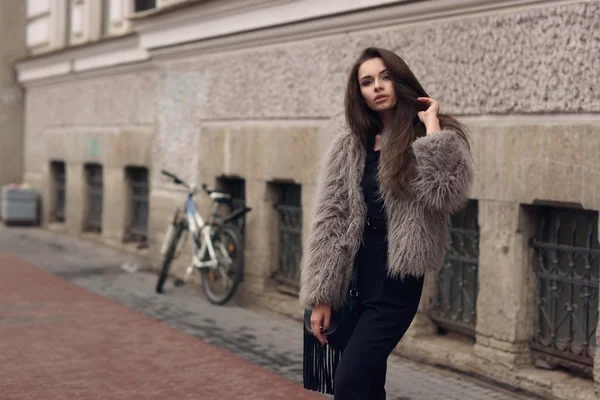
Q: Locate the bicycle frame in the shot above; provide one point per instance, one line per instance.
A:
(201, 234)
(200, 231)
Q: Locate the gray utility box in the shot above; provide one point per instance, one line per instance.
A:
(18, 205)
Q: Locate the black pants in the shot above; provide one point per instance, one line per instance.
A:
(387, 308)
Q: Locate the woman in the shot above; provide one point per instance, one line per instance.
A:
(385, 194)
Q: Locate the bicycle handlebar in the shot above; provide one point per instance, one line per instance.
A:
(179, 181)
(207, 190)
(174, 177)
(167, 173)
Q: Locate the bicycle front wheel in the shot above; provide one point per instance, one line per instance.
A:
(169, 256)
(220, 283)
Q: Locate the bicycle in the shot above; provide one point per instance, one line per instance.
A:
(217, 246)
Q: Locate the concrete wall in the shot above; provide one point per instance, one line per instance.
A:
(523, 81)
(12, 47)
(115, 148)
(104, 120)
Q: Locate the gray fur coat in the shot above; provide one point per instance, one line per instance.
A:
(417, 225)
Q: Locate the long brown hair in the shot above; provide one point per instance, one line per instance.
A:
(398, 161)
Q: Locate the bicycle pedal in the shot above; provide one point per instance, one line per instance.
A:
(178, 282)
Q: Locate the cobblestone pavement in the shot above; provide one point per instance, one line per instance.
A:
(267, 340)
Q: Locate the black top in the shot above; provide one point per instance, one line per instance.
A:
(370, 186)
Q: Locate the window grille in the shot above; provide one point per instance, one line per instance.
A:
(137, 227)
(456, 284)
(566, 266)
(58, 173)
(236, 187)
(95, 194)
(289, 212)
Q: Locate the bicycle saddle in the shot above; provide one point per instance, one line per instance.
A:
(220, 196)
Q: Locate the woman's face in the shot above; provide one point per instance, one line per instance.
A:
(376, 85)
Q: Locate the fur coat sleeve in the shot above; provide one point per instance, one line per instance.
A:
(323, 263)
(444, 171)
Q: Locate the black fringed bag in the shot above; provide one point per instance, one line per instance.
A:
(320, 362)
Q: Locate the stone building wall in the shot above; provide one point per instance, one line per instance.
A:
(108, 121)
(522, 80)
(12, 47)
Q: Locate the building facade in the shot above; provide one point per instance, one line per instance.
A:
(12, 48)
(246, 95)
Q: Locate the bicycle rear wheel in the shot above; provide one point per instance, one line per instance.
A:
(169, 256)
(220, 283)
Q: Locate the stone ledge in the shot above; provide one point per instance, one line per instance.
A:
(130, 248)
(439, 350)
(275, 301)
(503, 353)
(461, 356)
(58, 227)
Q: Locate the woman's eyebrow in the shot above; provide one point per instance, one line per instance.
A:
(369, 76)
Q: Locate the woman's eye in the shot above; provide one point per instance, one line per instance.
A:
(386, 77)
(366, 83)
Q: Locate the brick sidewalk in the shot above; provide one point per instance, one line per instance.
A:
(264, 339)
(60, 341)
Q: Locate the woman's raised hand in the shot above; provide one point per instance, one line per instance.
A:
(429, 117)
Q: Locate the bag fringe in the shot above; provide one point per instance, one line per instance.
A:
(320, 363)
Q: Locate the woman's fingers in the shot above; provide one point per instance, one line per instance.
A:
(315, 325)
(322, 339)
(326, 320)
(430, 102)
(433, 106)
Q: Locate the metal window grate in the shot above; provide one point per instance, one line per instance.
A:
(137, 227)
(236, 187)
(566, 266)
(289, 212)
(58, 172)
(456, 284)
(95, 194)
